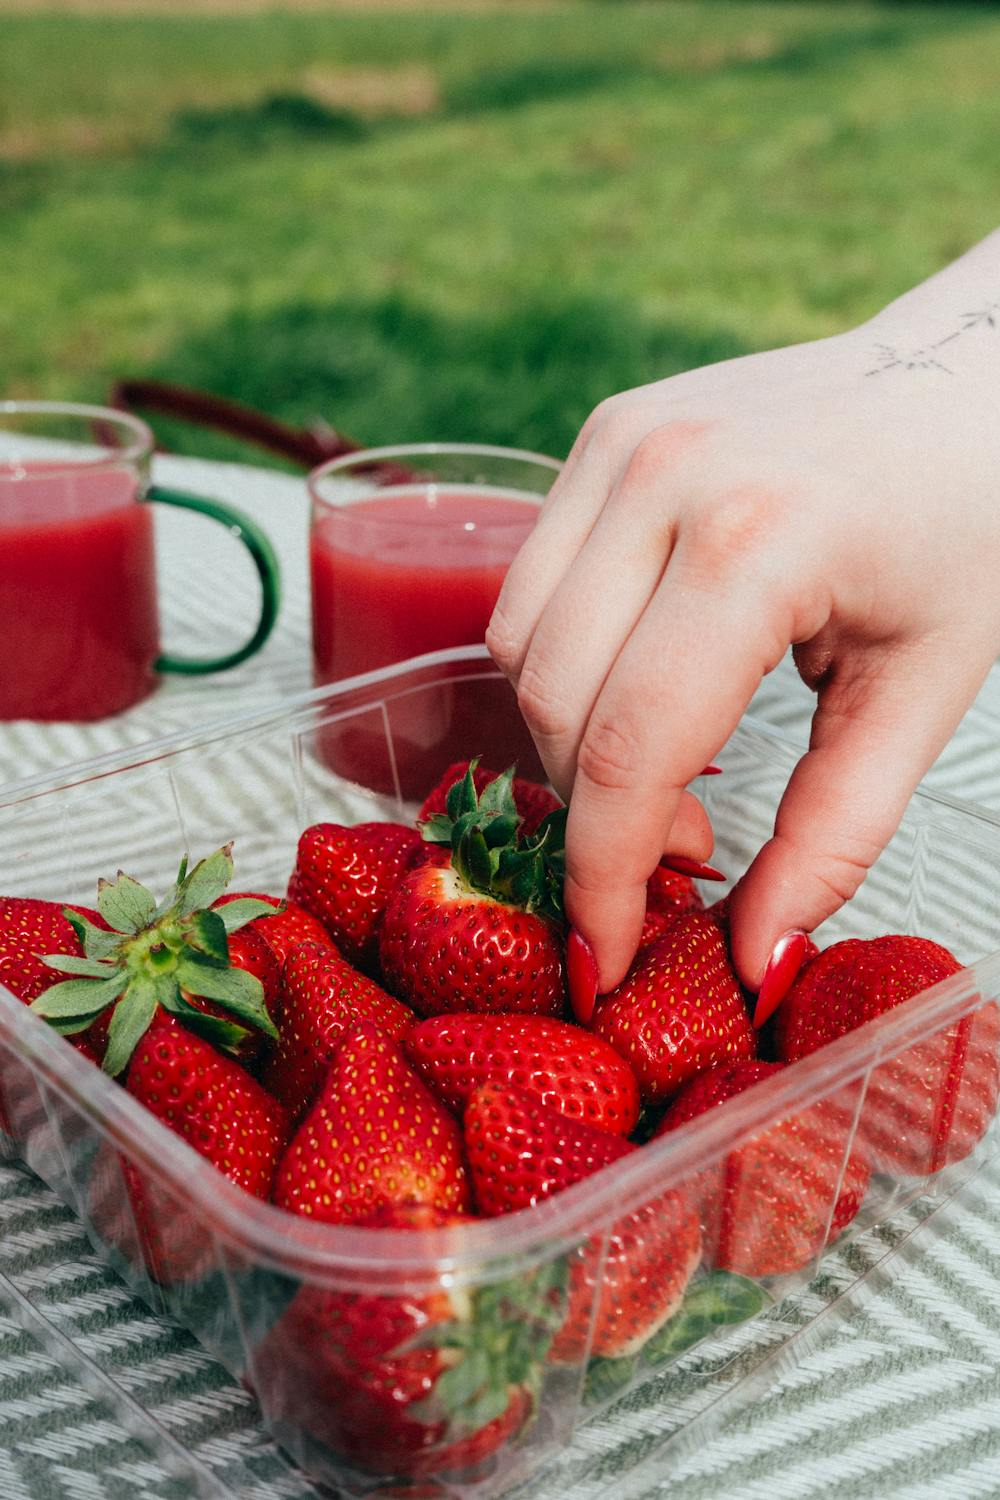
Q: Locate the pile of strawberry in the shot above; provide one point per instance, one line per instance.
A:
(391, 1046)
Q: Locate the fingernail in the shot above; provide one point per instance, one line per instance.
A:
(780, 973)
(581, 974)
(711, 771)
(682, 866)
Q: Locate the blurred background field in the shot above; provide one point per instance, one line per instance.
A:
(471, 220)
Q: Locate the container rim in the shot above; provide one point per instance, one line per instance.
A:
(402, 675)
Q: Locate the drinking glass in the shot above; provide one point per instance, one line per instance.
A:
(408, 549)
(79, 622)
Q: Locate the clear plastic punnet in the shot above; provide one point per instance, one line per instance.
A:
(760, 1213)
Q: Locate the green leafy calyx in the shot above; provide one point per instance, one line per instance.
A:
(487, 851)
(500, 1344)
(607, 1378)
(156, 955)
(719, 1300)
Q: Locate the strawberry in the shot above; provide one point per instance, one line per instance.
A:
(324, 999)
(668, 895)
(29, 930)
(678, 1010)
(637, 1276)
(719, 912)
(250, 951)
(521, 1153)
(483, 932)
(774, 1201)
(212, 1103)
(374, 1135)
(852, 982)
(293, 924)
(532, 800)
(28, 927)
(568, 1069)
(344, 876)
(140, 959)
(929, 1106)
(416, 1383)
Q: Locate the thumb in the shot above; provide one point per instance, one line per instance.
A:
(881, 721)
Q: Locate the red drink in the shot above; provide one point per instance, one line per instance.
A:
(415, 569)
(79, 626)
(78, 620)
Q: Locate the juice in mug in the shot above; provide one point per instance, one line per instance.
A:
(410, 566)
(79, 621)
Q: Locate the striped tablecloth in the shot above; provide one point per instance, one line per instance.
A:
(102, 1399)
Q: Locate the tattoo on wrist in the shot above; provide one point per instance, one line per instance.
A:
(928, 356)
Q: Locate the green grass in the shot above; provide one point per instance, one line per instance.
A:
(474, 224)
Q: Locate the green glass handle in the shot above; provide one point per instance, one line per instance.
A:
(265, 561)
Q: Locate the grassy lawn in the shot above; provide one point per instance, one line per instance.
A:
(474, 221)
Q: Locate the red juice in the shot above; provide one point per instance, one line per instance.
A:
(78, 621)
(412, 570)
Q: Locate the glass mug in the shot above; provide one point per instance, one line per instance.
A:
(79, 627)
(408, 549)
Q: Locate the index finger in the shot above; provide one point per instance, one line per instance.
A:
(567, 517)
(674, 695)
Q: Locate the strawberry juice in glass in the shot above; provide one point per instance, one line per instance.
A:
(79, 627)
(409, 547)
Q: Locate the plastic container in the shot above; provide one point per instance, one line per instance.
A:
(256, 779)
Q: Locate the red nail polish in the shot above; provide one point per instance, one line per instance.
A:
(711, 771)
(780, 973)
(581, 972)
(692, 867)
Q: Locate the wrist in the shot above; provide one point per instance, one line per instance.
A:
(950, 324)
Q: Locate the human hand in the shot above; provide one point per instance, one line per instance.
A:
(816, 497)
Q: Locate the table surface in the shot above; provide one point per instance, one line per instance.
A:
(102, 1399)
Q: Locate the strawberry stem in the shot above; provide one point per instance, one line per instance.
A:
(487, 851)
(154, 956)
(500, 1344)
(720, 1300)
